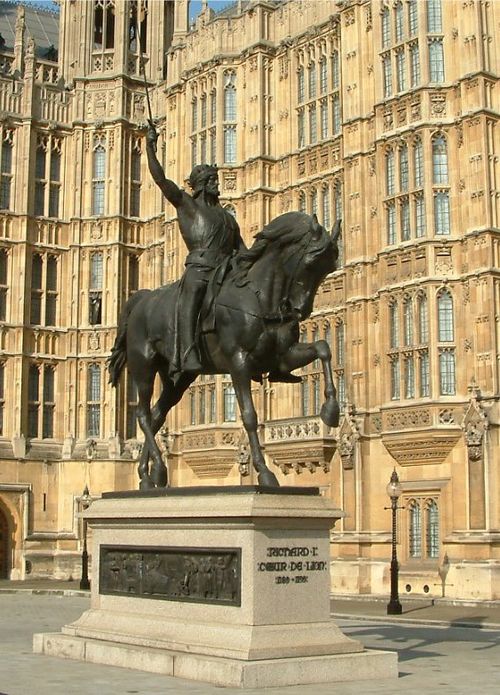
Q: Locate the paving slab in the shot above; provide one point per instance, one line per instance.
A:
(446, 659)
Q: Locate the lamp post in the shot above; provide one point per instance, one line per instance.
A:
(85, 501)
(394, 490)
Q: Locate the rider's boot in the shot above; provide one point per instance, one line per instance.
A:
(187, 325)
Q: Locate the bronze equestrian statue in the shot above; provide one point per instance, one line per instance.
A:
(249, 325)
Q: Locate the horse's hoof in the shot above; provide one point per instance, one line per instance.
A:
(146, 484)
(330, 413)
(159, 475)
(268, 479)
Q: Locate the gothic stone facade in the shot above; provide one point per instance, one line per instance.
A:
(383, 113)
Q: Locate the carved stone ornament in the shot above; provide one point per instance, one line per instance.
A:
(348, 438)
(474, 424)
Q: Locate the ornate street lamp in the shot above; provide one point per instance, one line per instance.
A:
(85, 501)
(394, 490)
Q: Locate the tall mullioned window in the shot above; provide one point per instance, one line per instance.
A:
(4, 282)
(93, 427)
(446, 347)
(98, 175)
(41, 382)
(230, 116)
(104, 24)
(44, 289)
(436, 60)
(95, 288)
(423, 528)
(6, 160)
(47, 175)
(434, 16)
(135, 179)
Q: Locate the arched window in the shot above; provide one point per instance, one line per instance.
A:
(447, 372)
(4, 283)
(413, 17)
(33, 400)
(389, 173)
(423, 319)
(432, 529)
(418, 163)
(337, 119)
(434, 17)
(323, 75)
(98, 177)
(314, 202)
(302, 201)
(313, 124)
(335, 69)
(36, 290)
(339, 344)
(93, 400)
(229, 403)
(399, 22)
(104, 24)
(408, 321)
(403, 168)
(415, 529)
(325, 206)
(445, 317)
(6, 169)
(304, 396)
(394, 324)
(135, 18)
(391, 223)
(230, 96)
(194, 114)
(436, 60)
(49, 402)
(311, 79)
(439, 160)
(386, 27)
(300, 84)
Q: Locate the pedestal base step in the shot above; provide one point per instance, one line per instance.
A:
(366, 665)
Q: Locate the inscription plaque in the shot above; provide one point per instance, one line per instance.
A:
(199, 575)
(292, 564)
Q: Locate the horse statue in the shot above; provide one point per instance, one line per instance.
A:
(249, 327)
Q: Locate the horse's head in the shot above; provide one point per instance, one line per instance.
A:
(309, 261)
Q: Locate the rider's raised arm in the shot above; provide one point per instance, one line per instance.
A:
(170, 190)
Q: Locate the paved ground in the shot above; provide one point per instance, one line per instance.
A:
(435, 657)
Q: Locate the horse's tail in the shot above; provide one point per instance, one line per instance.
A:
(118, 358)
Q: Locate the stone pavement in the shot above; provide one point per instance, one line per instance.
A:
(435, 654)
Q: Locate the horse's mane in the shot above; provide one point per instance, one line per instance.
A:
(290, 231)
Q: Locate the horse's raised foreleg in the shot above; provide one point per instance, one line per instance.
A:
(301, 354)
(242, 386)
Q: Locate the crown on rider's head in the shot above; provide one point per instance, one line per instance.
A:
(199, 175)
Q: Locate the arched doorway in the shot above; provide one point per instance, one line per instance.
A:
(4, 545)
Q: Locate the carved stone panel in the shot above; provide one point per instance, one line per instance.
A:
(197, 575)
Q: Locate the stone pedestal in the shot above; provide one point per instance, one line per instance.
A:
(225, 585)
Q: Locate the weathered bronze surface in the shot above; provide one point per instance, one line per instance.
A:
(200, 575)
(235, 310)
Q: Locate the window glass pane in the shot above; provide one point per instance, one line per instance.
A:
(395, 380)
(418, 159)
(40, 163)
(229, 404)
(415, 65)
(36, 272)
(445, 317)
(415, 529)
(424, 375)
(99, 162)
(442, 213)
(305, 397)
(413, 16)
(301, 84)
(323, 75)
(6, 158)
(434, 16)
(52, 273)
(55, 166)
(409, 377)
(419, 216)
(39, 198)
(391, 223)
(386, 27)
(339, 345)
(436, 61)
(399, 22)
(389, 168)
(33, 383)
(447, 373)
(394, 325)
(335, 70)
(405, 220)
(96, 270)
(312, 80)
(3, 267)
(439, 160)
(230, 144)
(324, 120)
(194, 114)
(423, 320)
(387, 70)
(336, 115)
(401, 70)
(432, 530)
(408, 322)
(313, 127)
(403, 168)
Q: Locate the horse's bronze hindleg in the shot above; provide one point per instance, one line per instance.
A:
(242, 383)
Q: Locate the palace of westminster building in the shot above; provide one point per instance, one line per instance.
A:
(381, 112)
